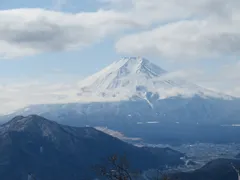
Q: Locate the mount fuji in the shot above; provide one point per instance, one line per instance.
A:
(137, 78)
(134, 90)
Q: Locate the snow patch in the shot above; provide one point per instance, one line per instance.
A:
(153, 122)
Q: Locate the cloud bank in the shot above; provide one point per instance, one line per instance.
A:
(26, 32)
(173, 28)
(184, 28)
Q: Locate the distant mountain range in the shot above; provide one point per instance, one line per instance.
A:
(48, 150)
(134, 90)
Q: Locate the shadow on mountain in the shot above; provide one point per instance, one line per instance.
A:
(50, 151)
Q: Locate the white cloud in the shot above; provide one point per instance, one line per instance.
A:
(17, 95)
(185, 28)
(32, 31)
(185, 39)
(173, 28)
(226, 79)
(162, 10)
(52, 88)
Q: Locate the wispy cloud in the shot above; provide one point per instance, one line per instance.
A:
(226, 79)
(54, 88)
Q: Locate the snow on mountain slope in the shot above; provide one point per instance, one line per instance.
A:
(135, 77)
(135, 90)
(120, 80)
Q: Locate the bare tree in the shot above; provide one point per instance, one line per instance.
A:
(117, 169)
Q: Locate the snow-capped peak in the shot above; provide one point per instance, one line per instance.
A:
(125, 67)
(137, 65)
(131, 87)
(136, 77)
(121, 78)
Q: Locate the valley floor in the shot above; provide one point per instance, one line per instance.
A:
(201, 153)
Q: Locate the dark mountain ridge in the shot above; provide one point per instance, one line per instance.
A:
(49, 150)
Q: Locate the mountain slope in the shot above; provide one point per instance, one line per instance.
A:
(136, 77)
(48, 150)
(134, 90)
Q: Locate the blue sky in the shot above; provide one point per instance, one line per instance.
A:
(78, 62)
(59, 42)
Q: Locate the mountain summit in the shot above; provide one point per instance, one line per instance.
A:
(33, 124)
(137, 65)
(132, 77)
(120, 77)
(127, 67)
